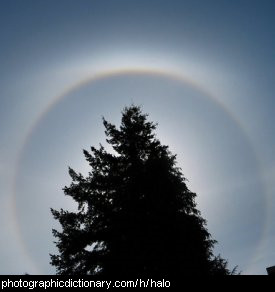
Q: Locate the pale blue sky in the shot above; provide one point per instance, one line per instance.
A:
(225, 144)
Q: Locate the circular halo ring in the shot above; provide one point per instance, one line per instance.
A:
(100, 76)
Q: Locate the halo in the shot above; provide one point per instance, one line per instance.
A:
(100, 76)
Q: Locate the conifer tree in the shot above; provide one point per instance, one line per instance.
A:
(136, 215)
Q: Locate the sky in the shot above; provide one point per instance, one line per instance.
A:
(204, 70)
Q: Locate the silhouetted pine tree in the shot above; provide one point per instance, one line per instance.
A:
(136, 216)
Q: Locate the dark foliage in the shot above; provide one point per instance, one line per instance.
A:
(136, 216)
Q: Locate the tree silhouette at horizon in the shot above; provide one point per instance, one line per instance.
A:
(135, 216)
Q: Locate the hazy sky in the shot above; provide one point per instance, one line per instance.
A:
(204, 70)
